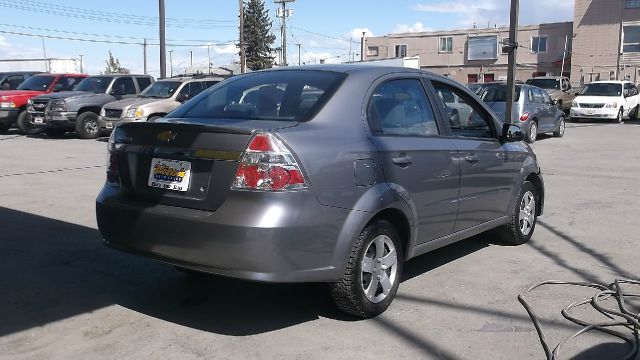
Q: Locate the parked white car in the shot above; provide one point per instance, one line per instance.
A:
(610, 100)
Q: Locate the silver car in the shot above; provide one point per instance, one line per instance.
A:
(533, 109)
(155, 101)
(335, 174)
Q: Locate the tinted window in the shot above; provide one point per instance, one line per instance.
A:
(39, 83)
(68, 82)
(634, 90)
(544, 83)
(401, 107)
(14, 81)
(195, 88)
(272, 95)
(143, 82)
(96, 84)
(537, 96)
(161, 89)
(466, 117)
(127, 84)
(210, 83)
(498, 93)
(545, 97)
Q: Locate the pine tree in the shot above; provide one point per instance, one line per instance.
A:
(113, 66)
(258, 38)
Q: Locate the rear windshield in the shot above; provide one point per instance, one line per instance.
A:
(545, 83)
(285, 95)
(39, 83)
(161, 89)
(96, 84)
(498, 93)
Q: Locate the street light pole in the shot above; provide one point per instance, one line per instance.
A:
(163, 50)
(170, 63)
(209, 57)
(299, 47)
(362, 46)
(284, 16)
(81, 70)
(191, 55)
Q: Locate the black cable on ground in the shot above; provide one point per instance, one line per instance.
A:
(622, 317)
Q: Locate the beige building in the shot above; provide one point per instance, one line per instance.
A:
(606, 37)
(476, 55)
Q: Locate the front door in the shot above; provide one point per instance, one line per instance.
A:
(419, 163)
(487, 167)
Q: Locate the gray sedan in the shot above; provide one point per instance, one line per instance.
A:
(533, 109)
(335, 174)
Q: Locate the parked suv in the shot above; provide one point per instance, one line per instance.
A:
(12, 79)
(79, 109)
(156, 101)
(534, 111)
(608, 100)
(558, 88)
(13, 103)
(334, 174)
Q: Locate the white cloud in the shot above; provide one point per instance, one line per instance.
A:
(496, 12)
(404, 28)
(357, 33)
(225, 49)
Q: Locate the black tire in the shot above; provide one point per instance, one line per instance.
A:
(24, 124)
(561, 128)
(532, 134)
(620, 118)
(511, 233)
(349, 294)
(634, 114)
(87, 125)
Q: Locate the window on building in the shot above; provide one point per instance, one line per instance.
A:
(446, 44)
(401, 51)
(483, 47)
(632, 4)
(631, 38)
(539, 44)
(372, 51)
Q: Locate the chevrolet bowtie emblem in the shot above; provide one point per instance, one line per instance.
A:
(167, 136)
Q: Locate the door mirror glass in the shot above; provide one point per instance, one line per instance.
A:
(511, 133)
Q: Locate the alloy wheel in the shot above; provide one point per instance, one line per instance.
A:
(91, 126)
(379, 269)
(533, 131)
(562, 127)
(527, 216)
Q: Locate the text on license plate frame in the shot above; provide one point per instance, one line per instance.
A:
(38, 119)
(170, 174)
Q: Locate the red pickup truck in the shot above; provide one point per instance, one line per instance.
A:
(13, 103)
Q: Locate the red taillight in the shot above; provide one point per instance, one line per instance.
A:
(268, 165)
(524, 117)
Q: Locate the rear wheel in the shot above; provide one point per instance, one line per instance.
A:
(24, 124)
(87, 125)
(561, 128)
(532, 134)
(523, 219)
(634, 113)
(373, 272)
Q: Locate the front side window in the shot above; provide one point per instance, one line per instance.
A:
(161, 89)
(539, 44)
(274, 95)
(446, 44)
(466, 117)
(401, 51)
(401, 107)
(631, 39)
(95, 84)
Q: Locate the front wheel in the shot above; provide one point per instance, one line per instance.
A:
(532, 134)
(634, 113)
(373, 272)
(561, 128)
(523, 219)
(87, 125)
(24, 124)
(620, 118)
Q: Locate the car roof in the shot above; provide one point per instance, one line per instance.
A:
(556, 77)
(610, 82)
(191, 79)
(355, 68)
(116, 75)
(56, 74)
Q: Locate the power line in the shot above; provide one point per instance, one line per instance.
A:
(323, 35)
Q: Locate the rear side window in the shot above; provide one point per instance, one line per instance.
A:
(401, 107)
(195, 88)
(498, 93)
(127, 82)
(143, 83)
(285, 95)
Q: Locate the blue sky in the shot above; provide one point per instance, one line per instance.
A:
(323, 27)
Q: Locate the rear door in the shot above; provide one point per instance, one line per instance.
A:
(487, 167)
(417, 157)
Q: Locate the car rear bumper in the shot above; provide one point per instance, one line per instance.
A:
(289, 237)
(8, 116)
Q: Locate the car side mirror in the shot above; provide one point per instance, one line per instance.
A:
(511, 133)
(182, 98)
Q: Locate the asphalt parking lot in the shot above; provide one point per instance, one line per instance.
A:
(66, 296)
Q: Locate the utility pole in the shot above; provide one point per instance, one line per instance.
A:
(362, 46)
(163, 44)
(81, 70)
(350, 41)
(171, 63)
(209, 56)
(620, 34)
(564, 54)
(513, 55)
(243, 55)
(144, 55)
(283, 14)
(299, 54)
(44, 53)
(191, 54)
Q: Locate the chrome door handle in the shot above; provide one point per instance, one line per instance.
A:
(402, 160)
(472, 159)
